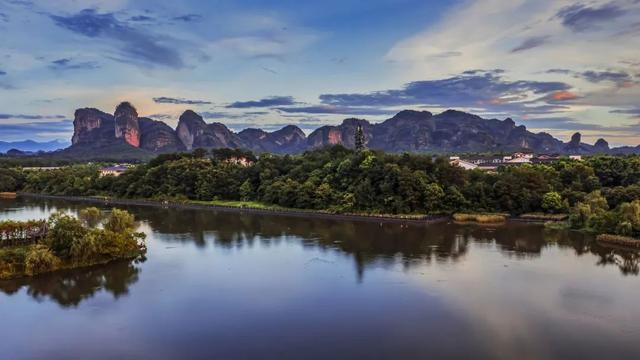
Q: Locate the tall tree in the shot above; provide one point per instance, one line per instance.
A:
(359, 138)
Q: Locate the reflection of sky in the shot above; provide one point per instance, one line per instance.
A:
(285, 294)
(562, 65)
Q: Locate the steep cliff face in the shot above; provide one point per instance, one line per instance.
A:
(343, 134)
(418, 131)
(126, 124)
(158, 137)
(92, 126)
(601, 145)
(191, 127)
(219, 136)
(289, 139)
(195, 133)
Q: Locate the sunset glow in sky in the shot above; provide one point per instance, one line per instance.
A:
(558, 66)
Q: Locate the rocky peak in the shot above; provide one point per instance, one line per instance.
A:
(157, 136)
(456, 114)
(575, 140)
(353, 122)
(509, 123)
(291, 131)
(412, 114)
(190, 127)
(126, 124)
(601, 144)
(91, 126)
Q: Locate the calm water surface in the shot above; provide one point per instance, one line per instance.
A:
(238, 286)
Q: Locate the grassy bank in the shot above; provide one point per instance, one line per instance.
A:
(619, 240)
(480, 218)
(251, 207)
(543, 217)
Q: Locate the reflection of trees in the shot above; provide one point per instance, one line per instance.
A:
(624, 259)
(369, 243)
(70, 287)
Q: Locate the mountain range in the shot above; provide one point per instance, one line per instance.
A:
(125, 135)
(31, 146)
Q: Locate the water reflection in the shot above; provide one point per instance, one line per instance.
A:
(376, 244)
(70, 287)
(228, 285)
(370, 244)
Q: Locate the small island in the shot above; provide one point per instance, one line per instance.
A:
(33, 247)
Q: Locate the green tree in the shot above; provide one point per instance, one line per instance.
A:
(552, 202)
(64, 229)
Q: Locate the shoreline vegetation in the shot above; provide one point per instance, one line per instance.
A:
(598, 194)
(33, 247)
(623, 241)
(260, 208)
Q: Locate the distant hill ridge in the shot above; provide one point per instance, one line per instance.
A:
(32, 146)
(97, 133)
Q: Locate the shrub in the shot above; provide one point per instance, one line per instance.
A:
(91, 216)
(40, 259)
(119, 221)
(552, 202)
(480, 218)
(87, 247)
(64, 230)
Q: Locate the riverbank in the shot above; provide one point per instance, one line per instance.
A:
(263, 209)
(258, 208)
(624, 241)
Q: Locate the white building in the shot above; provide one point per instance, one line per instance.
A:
(113, 170)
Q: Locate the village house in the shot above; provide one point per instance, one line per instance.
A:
(116, 170)
(489, 163)
(239, 160)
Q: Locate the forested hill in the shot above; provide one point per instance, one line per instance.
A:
(125, 136)
(337, 179)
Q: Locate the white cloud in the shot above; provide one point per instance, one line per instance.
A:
(485, 32)
(600, 35)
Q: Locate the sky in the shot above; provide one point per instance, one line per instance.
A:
(558, 66)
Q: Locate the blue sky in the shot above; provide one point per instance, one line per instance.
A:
(553, 65)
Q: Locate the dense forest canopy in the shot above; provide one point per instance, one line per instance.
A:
(337, 179)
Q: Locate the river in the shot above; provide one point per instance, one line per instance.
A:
(223, 285)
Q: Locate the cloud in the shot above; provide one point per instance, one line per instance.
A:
(135, 46)
(581, 18)
(635, 113)
(595, 76)
(162, 117)
(559, 123)
(486, 90)
(266, 102)
(447, 54)
(268, 44)
(269, 70)
(599, 76)
(36, 130)
(558, 71)
(141, 18)
(568, 123)
(69, 64)
(219, 115)
(334, 109)
(181, 101)
(188, 18)
(30, 117)
(530, 43)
